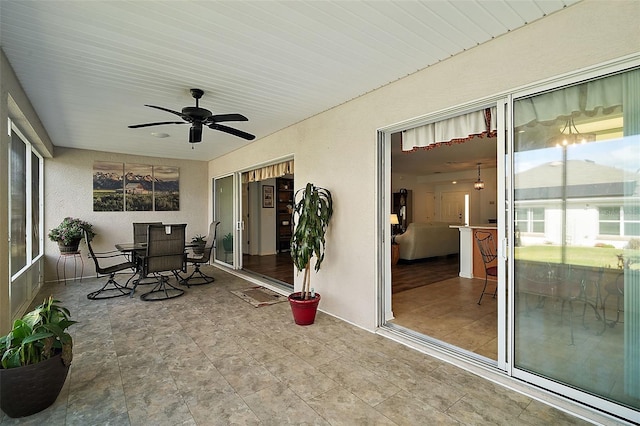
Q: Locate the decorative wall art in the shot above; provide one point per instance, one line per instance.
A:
(267, 196)
(138, 187)
(135, 187)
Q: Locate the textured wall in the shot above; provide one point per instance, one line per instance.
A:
(68, 192)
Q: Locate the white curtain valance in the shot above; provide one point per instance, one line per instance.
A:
(267, 172)
(452, 130)
(604, 94)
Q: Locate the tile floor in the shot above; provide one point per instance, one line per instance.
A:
(448, 311)
(209, 358)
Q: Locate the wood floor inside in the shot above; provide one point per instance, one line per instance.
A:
(428, 297)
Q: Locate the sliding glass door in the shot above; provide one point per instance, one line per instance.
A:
(576, 239)
(223, 208)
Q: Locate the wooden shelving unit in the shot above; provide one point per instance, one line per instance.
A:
(284, 204)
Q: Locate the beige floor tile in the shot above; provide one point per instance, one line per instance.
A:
(208, 358)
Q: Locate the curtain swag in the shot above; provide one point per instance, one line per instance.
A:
(267, 172)
(603, 96)
(459, 129)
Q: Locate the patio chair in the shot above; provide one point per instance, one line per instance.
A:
(140, 231)
(198, 277)
(165, 253)
(487, 247)
(111, 288)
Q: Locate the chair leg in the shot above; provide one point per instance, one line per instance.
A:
(200, 277)
(486, 279)
(163, 290)
(107, 292)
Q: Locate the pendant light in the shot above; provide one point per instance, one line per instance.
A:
(479, 184)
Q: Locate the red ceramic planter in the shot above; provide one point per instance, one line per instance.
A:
(304, 311)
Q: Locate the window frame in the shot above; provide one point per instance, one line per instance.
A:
(30, 240)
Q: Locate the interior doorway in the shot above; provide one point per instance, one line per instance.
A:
(428, 296)
(267, 197)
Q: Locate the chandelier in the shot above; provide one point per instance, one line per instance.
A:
(479, 184)
(569, 135)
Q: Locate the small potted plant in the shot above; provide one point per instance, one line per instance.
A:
(198, 241)
(311, 214)
(227, 242)
(69, 234)
(35, 359)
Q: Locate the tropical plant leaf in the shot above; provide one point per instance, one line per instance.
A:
(312, 211)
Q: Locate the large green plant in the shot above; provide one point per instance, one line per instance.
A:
(311, 214)
(38, 336)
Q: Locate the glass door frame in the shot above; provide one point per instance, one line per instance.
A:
(236, 227)
(576, 77)
(384, 310)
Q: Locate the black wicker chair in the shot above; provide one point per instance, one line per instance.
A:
(165, 253)
(111, 288)
(198, 277)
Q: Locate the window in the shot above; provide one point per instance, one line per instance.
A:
(25, 181)
(530, 219)
(623, 221)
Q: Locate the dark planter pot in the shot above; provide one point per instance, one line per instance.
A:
(72, 247)
(198, 249)
(304, 311)
(30, 389)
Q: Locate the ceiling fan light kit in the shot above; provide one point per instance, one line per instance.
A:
(198, 117)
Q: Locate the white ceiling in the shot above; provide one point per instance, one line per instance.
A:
(89, 67)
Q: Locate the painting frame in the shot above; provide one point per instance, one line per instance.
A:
(267, 196)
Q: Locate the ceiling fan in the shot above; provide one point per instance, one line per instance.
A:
(198, 117)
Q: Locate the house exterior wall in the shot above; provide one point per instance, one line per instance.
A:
(337, 148)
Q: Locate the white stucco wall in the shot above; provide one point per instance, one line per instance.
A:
(68, 192)
(337, 149)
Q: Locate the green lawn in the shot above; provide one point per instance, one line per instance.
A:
(585, 256)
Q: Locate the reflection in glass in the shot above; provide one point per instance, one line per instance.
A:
(18, 186)
(223, 212)
(577, 237)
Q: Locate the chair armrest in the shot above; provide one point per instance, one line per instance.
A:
(108, 254)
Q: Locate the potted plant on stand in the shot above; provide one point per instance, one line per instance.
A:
(36, 355)
(198, 242)
(69, 234)
(312, 210)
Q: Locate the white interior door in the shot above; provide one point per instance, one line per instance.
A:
(452, 207)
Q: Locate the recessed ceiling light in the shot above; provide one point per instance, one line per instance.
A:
(160, 134)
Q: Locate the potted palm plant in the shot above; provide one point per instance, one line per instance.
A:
(312, 210)
(35, 359)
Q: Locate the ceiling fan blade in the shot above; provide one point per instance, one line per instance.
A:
(219, 118)
(232, 131)
(135, 126)
(179, 114)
